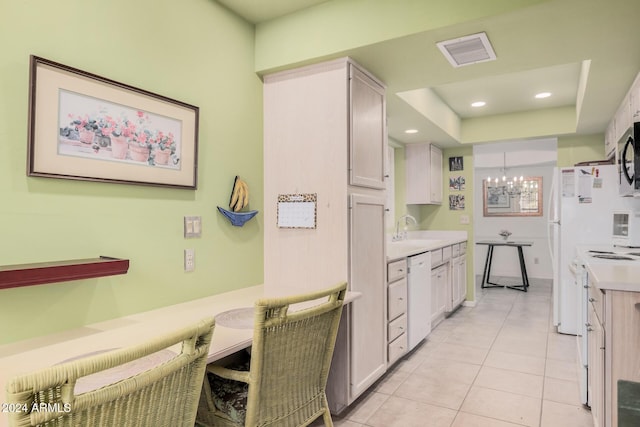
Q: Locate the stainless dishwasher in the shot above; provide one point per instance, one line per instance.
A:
(419, 298)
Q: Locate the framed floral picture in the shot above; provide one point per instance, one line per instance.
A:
(86, 127)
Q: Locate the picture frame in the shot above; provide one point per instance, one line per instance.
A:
(456, 183)
(497, 197)
(86, 127)
(505, 199)
(456, 164)
(456, 202)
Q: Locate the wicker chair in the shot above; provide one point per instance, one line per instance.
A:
(164, 395)
(289, 365)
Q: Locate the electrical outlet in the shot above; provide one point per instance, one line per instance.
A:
(189, 260)
(464, 219)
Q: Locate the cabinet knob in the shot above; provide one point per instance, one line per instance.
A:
(589, 329)
(587, 325)
(592, 299)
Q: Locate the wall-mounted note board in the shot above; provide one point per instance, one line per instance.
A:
(297, 210)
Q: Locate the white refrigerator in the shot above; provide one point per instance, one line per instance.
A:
(580, 208)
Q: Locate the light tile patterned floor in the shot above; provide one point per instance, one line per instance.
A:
(499, 364)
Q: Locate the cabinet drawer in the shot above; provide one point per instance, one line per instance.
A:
(463, 248)
(455, 250)
(397, 348)
(397, 299)
(396, 270)
(436, 257)
(596, 298)
(397, 327)
(446, 253)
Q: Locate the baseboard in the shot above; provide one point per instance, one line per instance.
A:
(469, 304)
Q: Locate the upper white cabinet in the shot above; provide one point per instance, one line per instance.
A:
(424, 174)
(634, 100)
(367, 148)
(610, 141)
(627, 113)
(622, 118)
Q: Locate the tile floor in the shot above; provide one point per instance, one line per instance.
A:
(500, 364)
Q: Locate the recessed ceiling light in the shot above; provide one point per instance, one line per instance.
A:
(411, 131)
(543, 95)
(478, 104)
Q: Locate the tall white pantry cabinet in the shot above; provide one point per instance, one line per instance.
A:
(325, 134)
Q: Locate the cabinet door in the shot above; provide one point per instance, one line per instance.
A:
(435, 278)
(595, 380)
(442, 286)
(634, 100)
(462, 279)
(423, 174)
(435, 174)
(367, 142)
(367, 275)
(439, 282)
(454, 287)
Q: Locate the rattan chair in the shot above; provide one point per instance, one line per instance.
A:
(164, 395)
(289, 365)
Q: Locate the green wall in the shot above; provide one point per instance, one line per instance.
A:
(574, 149)
(196, 52)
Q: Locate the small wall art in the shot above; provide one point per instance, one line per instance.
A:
(456, 164)
(456, 202)
(456, 183)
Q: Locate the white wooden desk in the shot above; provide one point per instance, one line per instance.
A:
(39, 353)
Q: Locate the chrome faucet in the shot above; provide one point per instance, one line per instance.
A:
(407, 218)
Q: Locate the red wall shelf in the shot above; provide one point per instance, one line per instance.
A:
(14, 276)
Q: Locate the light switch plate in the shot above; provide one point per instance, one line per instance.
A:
(192, 226)
(464, 219)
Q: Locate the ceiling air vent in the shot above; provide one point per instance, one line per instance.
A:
(467, 50)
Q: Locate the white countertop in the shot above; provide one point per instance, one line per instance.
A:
(39, 353)
(423, 241)
(613, 275)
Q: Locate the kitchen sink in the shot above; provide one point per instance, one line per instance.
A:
(402, 248)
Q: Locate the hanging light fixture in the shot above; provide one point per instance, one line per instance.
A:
(513, 185)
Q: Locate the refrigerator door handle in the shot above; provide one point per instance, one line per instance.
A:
(553, 225)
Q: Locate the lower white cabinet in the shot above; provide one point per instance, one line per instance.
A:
(397, 335)
(458, 286)
(367, 338)
(439, 285)
(595, 382)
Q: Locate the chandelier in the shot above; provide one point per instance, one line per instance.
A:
(513, 185)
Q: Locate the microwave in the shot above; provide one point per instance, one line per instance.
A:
(626, 229)
(629, 162)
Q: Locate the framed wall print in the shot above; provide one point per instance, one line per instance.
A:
(86, 127)
(521, 198)
(456, 164)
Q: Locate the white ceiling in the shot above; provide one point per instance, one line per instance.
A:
(539, 48)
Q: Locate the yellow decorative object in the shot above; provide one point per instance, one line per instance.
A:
(239, 200)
